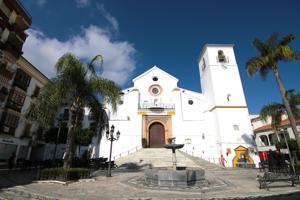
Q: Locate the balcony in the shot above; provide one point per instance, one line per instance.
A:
(156, 106)
(14, 105)
(18, 31)
(15, 100)
(22, 80)
(15, 40)
(5, 75)
(8, 123)
(21, 23)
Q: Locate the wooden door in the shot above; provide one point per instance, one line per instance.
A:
(156, 135)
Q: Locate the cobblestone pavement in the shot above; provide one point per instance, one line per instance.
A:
(240, 184)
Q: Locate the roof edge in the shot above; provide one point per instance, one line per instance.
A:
(151, 69)
(212, 45)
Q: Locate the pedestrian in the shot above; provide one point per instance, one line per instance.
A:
(222, 161)
(11, 161)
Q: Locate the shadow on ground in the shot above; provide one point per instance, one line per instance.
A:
(11, 178)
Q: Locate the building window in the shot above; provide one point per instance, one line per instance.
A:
(154, 78)
(36, 91)
(22, 79)
(27, 130)
(203, 136)
(190, 102)
(273, 139)
(281, 135)
(10, 120)
(221, 56)
(121, 102)
(264, 140)
(155, 90)
(16, 100)
(236, 127)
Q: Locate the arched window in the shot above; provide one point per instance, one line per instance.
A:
(264, 140)
(273, 139)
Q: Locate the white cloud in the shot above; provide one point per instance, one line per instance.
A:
(118, 65)
(83, 3)
(114, 23)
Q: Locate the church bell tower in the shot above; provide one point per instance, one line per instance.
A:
(228, 117)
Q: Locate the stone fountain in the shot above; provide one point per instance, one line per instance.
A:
(177, 176)
(174, 147)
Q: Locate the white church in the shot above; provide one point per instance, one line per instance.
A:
(212, 123)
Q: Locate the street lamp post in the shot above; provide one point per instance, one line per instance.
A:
(111, 137)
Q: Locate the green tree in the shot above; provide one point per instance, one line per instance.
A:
(274, 110)
(76, 86)
(271, 52)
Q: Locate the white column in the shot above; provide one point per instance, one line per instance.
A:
(17, 153)
(29, 152)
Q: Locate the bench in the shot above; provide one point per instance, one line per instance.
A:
(271, 177)
(276, 173)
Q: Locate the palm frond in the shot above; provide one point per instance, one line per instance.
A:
(284, 52)
(109, 90)
(90, 66)
(255, 64)
(272, 41)
(43, 109)
(286, 39)
(294, 100)
(297, 55)
(273, 111)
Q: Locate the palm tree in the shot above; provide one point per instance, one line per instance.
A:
(274, 110)
(271, 52)
(76, 86)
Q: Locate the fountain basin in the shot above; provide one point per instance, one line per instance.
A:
(174, 178)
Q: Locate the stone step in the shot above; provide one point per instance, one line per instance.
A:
(160, 157)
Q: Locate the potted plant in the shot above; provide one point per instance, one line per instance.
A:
(144, 142)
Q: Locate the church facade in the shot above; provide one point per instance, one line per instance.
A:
(211, 124)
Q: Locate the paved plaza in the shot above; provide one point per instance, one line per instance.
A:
(126, 184)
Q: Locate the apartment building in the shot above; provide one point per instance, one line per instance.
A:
(20, 82)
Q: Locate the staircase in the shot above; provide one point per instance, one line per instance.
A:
(157, 157)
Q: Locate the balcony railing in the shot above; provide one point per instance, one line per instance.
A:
(156, 106)
(14, 105)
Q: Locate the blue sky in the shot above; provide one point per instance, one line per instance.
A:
(134, 35)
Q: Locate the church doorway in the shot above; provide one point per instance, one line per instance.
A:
(156, 135)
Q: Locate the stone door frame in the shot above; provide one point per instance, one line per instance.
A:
(165, 120)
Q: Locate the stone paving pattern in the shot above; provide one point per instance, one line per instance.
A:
(241, 183)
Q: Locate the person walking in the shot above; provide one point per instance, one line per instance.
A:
(222, 161)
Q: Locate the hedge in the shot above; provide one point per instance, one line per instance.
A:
(63, 174)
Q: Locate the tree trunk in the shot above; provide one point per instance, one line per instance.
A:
(69, 148)
(70, 144)
(277, 135)
(286, 104)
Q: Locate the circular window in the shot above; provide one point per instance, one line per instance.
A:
(121, 102)
(191, 102)
(154, 78)
(155, 90)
